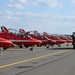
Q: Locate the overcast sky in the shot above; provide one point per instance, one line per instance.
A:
(52, 16)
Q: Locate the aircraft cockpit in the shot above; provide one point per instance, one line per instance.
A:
(13, 31)
(18, 33)
(28, 36)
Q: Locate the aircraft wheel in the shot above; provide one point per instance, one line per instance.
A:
(4, 48)
(31, 49)
(67, 45)
(73, 46)
(58, 45)
(20, 46)
(1, 51)
(47, 47)
(26, 46)
(38, 46)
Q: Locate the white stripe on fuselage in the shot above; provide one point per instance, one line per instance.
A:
(44, 40)
(23, 41)
(28, 41)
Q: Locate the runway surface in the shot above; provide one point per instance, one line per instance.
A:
(42, 61)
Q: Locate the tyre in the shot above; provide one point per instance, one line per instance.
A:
(20, 46)
(31, 49)
(73, 46)
(47, 47)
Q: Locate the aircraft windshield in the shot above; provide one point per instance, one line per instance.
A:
(14, 31)
(31, 32)
(28, 36)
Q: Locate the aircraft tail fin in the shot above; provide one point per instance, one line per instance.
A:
(4, 29)
(22, 31)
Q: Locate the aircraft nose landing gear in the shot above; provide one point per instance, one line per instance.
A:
(0, 51)
(31, 49)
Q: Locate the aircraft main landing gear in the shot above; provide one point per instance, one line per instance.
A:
(31, 49)
(67, 45)
(20, 46)
(58, 45)
(47, 47)
(0, 51)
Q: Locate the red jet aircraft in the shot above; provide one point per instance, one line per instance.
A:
(45, 40)
(68, 40)
(5, 44)
(18, 39)
(55, 38)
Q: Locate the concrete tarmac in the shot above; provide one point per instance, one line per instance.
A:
(42, 61)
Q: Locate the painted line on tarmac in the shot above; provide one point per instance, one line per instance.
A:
(23, 61)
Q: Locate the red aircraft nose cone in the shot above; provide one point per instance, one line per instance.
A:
(39, 42)
(63, 41)
(69, 41)
(53, 41)
(10, 44)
